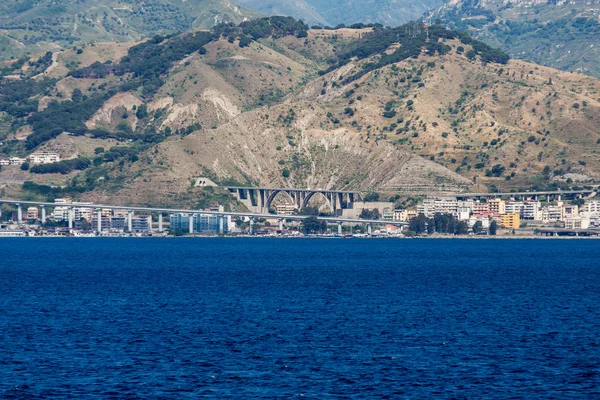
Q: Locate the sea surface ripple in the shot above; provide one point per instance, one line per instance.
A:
(280, 318)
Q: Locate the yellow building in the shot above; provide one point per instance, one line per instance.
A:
(497, 206)
(510, 221)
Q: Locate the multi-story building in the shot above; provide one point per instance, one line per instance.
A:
(118, 224)
(32, 214)
(43, 157)
(591, 207)
(480, 208)
(80, 212)
(4, 161)
(388, 214)
(439, 205)
(285, 209)
(513, 207)
(201, 222)
(576, 222)
(532, 210)
(400, 215)
(510, 220)
(570, 211)
(61, 210)
(497, 206)
(141, 224)
(552, 213)
(463, 213)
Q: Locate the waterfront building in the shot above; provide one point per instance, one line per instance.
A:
(140, 224)
(439, 205)
(577, 222)
(400, 215)
(532, 210)
(480, 208)
(591, 207)
(552, 213)
(32, 214)
(497, 206)
(388, 214)
(513, 207)
(203, 223)
(61, 210)
(118, 224)
(510, 220)
(570, 211)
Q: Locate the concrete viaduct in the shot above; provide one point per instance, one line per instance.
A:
(549, 194)
(161, 211)
(260, 199)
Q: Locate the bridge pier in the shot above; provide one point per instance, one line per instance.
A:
(280, 224)
(191, 223)
(129, 221)
(160, 222)
(369, 229)
(19, 214)
(339, 224)
(99, 221)
(43, 215)
(70, 217)
(251, 226)
(149, 219)
(221, 225)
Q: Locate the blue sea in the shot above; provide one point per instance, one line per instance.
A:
(311, 318)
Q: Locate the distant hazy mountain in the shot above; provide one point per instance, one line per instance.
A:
(558, 33)
(297, 8)
(39, 25)
(333, 12)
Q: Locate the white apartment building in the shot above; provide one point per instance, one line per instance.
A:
(44, 157)
(591, 207)
(552, 213)
(532, 210)
(4, 161)
(60, 212)
(439, 205)
(285, 209)
(513, 207)
(577, 222)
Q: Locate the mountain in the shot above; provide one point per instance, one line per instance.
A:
(559, 34)
(298, 9)
(335, 12)
(400, 111)
(36, 26)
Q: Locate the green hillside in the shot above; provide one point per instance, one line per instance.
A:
(36, 26)
(562, 35)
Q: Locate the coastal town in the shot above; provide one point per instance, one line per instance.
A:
(455, 215)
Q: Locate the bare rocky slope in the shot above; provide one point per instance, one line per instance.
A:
(262, 114)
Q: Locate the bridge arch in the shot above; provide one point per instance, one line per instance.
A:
(310, 195)
(274, 194)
